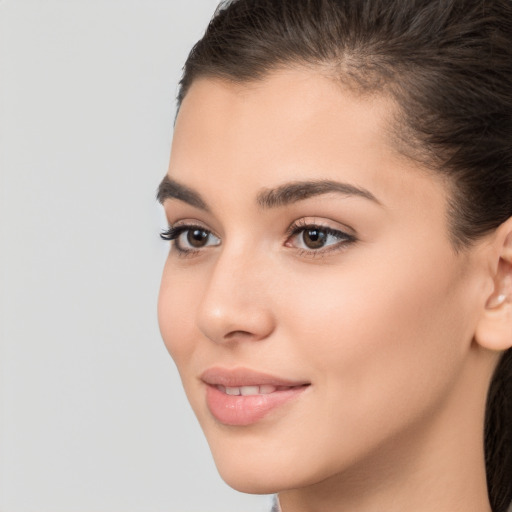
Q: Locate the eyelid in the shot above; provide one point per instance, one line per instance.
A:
(308, 222)
(176, 230)
(344, 235)
(186, 224)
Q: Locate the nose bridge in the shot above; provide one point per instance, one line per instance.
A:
(235, 302)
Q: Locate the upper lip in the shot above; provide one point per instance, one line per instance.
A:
(238, 377)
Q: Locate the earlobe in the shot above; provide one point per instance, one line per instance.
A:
(494, 329)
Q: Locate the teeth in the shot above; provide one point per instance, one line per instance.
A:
(249, 390)
(265, 389)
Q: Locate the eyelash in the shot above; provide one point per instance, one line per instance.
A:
(173, 233)
(303, 225)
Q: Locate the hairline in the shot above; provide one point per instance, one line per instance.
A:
(401, 136)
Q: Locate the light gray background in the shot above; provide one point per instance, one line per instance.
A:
(93, 417)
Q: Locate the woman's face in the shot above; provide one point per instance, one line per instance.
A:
(312, 301)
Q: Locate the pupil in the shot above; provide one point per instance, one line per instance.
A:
(197, 237)
(314, 238)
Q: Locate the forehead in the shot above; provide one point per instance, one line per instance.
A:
(292, 125)
(285, 106)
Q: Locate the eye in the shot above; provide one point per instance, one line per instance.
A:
(314, 239)
(190, 239)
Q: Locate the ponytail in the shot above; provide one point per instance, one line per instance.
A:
(498, 436)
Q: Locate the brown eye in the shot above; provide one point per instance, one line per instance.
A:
(197, 238)
(189, 239)
(314, 238)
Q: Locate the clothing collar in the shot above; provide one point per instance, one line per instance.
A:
(276, 507)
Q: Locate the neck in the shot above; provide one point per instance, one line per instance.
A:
(438, 465)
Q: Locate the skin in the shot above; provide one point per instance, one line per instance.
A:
(382, 325)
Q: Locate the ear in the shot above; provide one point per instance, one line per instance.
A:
(494, 329)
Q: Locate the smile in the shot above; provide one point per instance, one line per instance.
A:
(265, 389)
(242, 397)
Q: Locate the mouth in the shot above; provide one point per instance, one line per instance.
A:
(264, 389)
(241, 397)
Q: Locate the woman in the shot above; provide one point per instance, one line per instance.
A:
(338, 295)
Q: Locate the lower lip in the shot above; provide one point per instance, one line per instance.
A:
(245, 410)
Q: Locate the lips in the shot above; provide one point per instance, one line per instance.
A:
(264, 389)
(242, 397)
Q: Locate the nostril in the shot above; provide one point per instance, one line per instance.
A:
(238, 334)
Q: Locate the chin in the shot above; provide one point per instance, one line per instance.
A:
(256, 466)
(250, 480)
(248, 470)
(250, 464)
(251, 484)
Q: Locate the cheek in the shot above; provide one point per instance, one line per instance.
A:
(379, 339)
(176, 315)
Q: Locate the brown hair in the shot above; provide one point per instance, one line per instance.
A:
(448, 66)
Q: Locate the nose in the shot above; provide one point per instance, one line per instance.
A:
(235, 304)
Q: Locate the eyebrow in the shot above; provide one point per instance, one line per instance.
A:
(269, 198)
(171, 189)
(300, 190)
